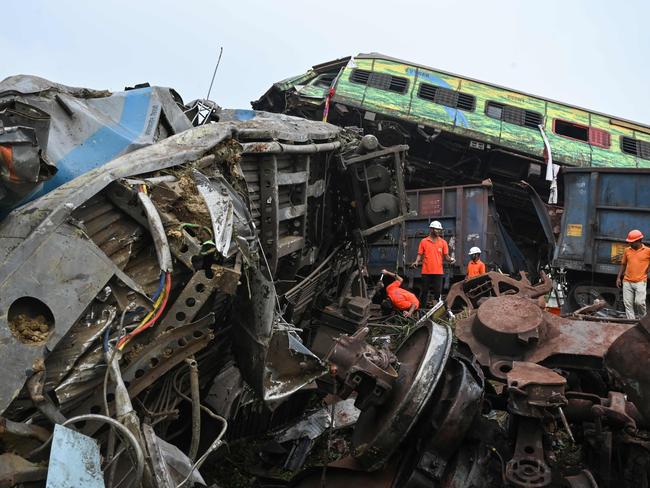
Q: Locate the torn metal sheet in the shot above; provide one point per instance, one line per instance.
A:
(311, 427)
(221, 210)
(171, 466)
(74, 461)
(269, 366)
(225, 391)
(21, 162)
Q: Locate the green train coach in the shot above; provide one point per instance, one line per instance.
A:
(406, 102)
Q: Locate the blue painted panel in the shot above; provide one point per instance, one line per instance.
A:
(600, 207)
(105, 144)
(74, 461)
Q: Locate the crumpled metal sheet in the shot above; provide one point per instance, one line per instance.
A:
(45, 257)
(21, 164)
(220, 207)
(272, 360)
(345, 415)
(89, 128)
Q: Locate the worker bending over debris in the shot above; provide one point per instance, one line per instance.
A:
(634, 274)
(475, 267)
(432, 250)
(398, 298)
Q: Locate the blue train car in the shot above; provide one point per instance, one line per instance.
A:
(469, 218)
(601, 205)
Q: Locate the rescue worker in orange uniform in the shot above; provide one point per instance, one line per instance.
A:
(633, 274)
(399, 298)
(475, 267)
(432, 251)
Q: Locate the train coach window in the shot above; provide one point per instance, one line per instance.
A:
(513, 115)
(447, 97)
(592, 135)
(571, 130)
(382, 81)
(635, 147)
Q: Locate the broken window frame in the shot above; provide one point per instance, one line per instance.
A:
(641, 148)
(594, 136)
(380, 81)
(525, 115)
(448, 93)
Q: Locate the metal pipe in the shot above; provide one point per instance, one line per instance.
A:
(41, 400)
(196, 408)
(158, 234)
(213, 447)
(24, 430)
(277, 147)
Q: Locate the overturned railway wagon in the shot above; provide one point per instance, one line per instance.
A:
(405, 101)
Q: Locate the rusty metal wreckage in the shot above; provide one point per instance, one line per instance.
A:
(210, 285)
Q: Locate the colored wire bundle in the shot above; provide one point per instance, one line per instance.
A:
(160, 298)
(152, 317)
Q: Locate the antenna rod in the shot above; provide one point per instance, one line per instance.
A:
(215, 73)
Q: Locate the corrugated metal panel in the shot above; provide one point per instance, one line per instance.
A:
(601, 207)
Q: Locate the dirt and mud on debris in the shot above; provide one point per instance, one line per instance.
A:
(190, 207)
(30, 330)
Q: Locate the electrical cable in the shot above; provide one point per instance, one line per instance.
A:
(151, 318)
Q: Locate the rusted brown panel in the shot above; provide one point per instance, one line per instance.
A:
(508, 328)
(628, 359)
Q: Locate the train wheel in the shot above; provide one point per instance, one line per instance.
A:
(585, 293)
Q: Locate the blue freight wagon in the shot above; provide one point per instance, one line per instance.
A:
(469, 218)
(601, 205)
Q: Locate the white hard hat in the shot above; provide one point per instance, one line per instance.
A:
(474, 250)
(435, 225)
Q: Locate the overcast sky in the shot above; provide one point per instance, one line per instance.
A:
(591, 53)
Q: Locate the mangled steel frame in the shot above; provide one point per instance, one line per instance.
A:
(553, 372)
(134, 266)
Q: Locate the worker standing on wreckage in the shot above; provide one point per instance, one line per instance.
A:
(432, 250)
(634, 274)
(398, 298)
(475, 267)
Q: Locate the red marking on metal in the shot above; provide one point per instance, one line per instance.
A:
(7, 157)
(430, 205)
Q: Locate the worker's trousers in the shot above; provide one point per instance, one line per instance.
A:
(634, 295)
(431, 283)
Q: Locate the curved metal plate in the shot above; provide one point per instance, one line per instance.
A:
(380, 430)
